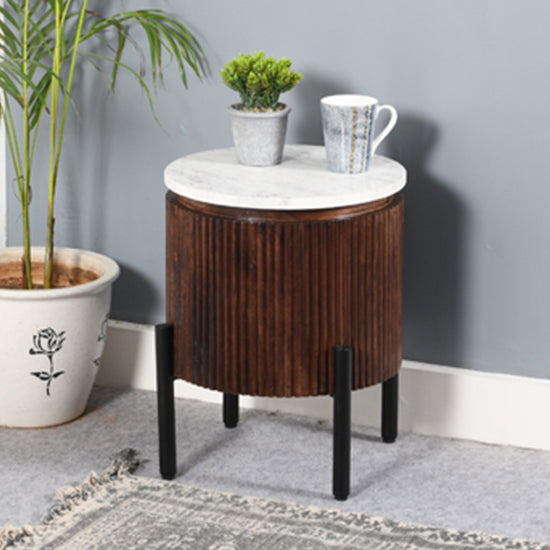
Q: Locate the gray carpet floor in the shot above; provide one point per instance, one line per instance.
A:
(427, 480)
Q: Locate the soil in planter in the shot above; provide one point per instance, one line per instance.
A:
(11, 275)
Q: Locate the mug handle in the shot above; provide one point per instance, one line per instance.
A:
(388, 128)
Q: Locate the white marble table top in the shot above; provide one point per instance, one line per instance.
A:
(301, 182)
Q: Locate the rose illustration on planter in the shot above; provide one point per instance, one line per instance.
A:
(101, 339)
(47, 342)
(103, 329)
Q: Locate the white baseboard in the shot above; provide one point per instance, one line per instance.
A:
(433, 400)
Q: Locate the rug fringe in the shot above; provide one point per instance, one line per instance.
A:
(123, 463)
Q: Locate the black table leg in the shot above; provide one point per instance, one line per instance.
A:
(164, 336)
(390, 401)
(230, 410)
(342, 422)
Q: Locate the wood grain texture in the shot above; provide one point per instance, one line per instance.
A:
(259, 299)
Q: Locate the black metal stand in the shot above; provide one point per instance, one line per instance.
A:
(343, 364)
(390, 402)
(164, 335)
(230, 410)
(343, 368)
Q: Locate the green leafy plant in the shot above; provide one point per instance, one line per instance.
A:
(259, 80)
(41, 43)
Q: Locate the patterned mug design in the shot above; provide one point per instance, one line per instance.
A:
(348, 127)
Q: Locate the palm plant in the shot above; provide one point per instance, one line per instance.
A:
(41, 42)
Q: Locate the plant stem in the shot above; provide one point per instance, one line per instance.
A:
(56, 63)
(26, 175)
(57, 132)
(50, 358)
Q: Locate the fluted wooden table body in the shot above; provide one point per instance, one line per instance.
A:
(259, 298)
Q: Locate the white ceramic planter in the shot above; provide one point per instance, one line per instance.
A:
(259, 137)
(51, 342)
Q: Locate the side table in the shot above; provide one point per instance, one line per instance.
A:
(282, 281)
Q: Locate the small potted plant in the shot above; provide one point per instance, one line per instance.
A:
(54, 303)
(259, 121)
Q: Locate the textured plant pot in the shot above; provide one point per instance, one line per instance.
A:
(259, 137)
(52, 342)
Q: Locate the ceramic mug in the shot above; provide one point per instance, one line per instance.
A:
(348, 127)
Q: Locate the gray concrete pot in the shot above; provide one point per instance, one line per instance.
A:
(259, 137)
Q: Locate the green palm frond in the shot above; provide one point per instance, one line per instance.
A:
(40, 46)
(164, 36)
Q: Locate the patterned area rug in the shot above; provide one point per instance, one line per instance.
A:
(118, 510)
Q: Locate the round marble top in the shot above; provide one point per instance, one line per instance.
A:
(301, 182)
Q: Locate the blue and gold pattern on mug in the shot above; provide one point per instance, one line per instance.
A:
(348, 127)
(360, 136)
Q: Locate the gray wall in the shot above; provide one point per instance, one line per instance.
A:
(471, 81)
